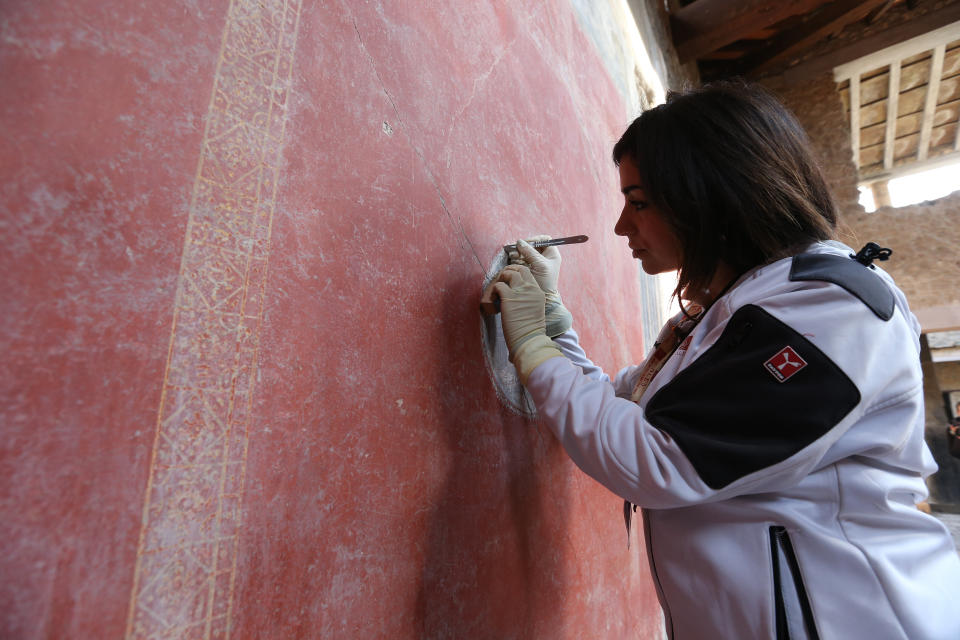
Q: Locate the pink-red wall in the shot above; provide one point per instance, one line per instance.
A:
(244, 393)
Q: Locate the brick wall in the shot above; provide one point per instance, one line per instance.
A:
(818, 107)
(948, 375)
(925, 237)
(926, 241)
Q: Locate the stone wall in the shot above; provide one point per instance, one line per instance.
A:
(948, 375)
(818, 107)
(924, 237)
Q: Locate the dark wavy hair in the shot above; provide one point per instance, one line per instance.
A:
(734, 174)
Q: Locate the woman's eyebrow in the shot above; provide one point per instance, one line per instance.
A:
(630, 188)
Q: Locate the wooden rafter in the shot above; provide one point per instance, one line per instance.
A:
(893, 97)
(762, 34)
(707, 25)
(956, 139)
(831, 19)
(930, 103)
(877, 13)
(855, 118)
(889, 37)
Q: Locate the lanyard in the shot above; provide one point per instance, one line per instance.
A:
(671, 336)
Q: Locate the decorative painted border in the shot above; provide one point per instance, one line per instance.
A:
(186, 560)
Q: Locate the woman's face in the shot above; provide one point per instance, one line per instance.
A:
(644, 227)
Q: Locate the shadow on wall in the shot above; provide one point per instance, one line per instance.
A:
(493, 563)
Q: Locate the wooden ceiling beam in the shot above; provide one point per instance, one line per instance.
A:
(893, 98)
(930, 101)
(879, 11)
(762, 34)
(830, 20)
(707, 25)
(912, 28)
(724, 54)
(855, 119)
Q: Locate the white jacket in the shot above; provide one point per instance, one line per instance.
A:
(778, 456)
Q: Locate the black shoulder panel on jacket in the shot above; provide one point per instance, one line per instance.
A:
(759, 395)
(856, 278)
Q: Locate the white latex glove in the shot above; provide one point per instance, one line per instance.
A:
(524, 325)
(545, 267)
(558, 319)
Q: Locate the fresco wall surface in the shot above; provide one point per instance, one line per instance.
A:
(243, 387)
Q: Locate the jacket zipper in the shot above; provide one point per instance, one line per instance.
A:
(668, 619)
(782, 548)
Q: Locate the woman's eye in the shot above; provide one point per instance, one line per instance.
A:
(638, 204)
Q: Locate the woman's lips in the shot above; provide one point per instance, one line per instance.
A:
(637, 253)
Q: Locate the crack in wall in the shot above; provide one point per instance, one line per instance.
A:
(456, 222)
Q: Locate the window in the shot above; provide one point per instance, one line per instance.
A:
(903, 103)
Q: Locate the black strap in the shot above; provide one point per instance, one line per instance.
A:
(852, 275)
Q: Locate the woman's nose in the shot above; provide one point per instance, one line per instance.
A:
(621, 228)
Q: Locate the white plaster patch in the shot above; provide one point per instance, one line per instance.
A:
(505, 380)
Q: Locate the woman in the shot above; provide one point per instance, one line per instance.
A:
(774, 437)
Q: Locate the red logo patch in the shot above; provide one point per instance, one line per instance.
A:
(786, 363)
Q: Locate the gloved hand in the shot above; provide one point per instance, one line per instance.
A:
(545, 268)
(522, 315)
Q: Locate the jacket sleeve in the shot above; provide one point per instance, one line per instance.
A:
(569, 344)
(725, 425)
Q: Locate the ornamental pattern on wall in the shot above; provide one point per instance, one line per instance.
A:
(186, 559)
